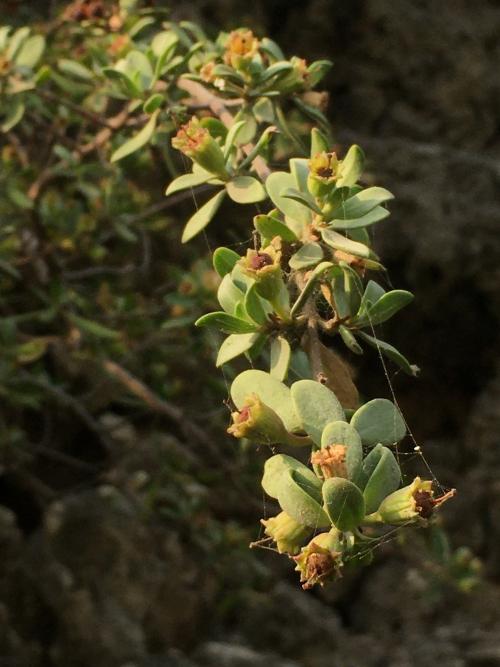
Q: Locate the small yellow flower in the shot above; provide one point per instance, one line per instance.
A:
(207, 72)
(241, 46)
(324, 167)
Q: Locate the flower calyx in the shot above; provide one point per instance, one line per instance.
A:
(288, 534)
(197, 143)
(414, 503)
(321, 560)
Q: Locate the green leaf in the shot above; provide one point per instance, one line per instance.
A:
(137, 141)
(295, 499)
(263, 110)
(258, 148)
(187, 181)
(313, 112)
(256, 307)
(202, 217)
(344, 503)
(16, 40)
(280, 358)
(215, 126)
(342, 433)
(353, 286)
(271, 391)
(301, 198)
(277, 68)
(299, 168)
(316, 274)
(30, 52)
(379, 421)
(277, 469)
(247, 133)
(391, 353)
(271, 48)
(224, 260)
(319, 142)
(352, 166)
(153, 102)
(137, 67)
(316, 406)
(246, 190)
(232, 137)
(14, 116)
(93, 328)
(373, 292)
(317, 70)
(234, 345)
(226, 323)
(276, 183)
(74, 68)
(340, 242)
(140, 25)
(362, 203)
(163, 42)
(350, 340)
(269, 227)
(384, 477)
(308, 255)
(385, 307)
(375, 215)
(228, 295)
(31, 351)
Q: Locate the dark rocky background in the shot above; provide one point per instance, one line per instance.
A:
(104, 575)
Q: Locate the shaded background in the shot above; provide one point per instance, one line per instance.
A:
(105, 575)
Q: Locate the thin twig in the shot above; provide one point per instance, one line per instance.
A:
(189, 429)
(89, 115)
(114, 123)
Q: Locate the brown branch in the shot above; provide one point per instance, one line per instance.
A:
(203, 97)
(89, 115)
(190, 430)
(48, 174)
(327, 366)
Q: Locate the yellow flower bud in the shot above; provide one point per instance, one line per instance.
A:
(257, 421)
(197, 143)
(288, 534)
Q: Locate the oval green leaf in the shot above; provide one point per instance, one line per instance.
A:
(379, 421)
(202, 217)
(226, 323)
(234, 345)
(246, 190)
(344, 503)
(138, 141)
(316, 406)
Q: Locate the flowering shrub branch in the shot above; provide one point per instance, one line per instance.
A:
(236, 107)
